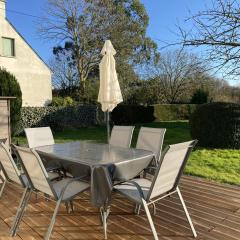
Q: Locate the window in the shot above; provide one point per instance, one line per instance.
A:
(8, 47)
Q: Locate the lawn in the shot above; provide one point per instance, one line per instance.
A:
(215, 164)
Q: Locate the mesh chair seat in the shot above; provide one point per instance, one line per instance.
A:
(121, 136)
(40, 136)
(72, 190)
(130, 190)
(151, 139)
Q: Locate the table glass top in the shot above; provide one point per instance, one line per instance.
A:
(93, 153)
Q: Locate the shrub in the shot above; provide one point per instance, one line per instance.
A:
(217, 125)
(199, 97)
(169, 112)
(130, 114)
(57, 102)
(68, 101)
(62, 102)
(10, 87)
(58, 118)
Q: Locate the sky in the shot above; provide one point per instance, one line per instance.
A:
(163, 17)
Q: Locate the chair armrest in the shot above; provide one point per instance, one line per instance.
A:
(71, 181)
(140, 191)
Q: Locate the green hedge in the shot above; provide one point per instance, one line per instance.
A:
(131, 114)
(9, 86)
(217, 125)
(58, 118)
(169, 112)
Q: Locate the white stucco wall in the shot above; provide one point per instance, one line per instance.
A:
(32, 73)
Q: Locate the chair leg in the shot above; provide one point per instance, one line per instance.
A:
(150, 219)
(154, 209)
(2, 187)
(104, 216)
(186, 212)
(137, 209)
(20, 212)
(50, 228)
(67, 207)
(71, 206)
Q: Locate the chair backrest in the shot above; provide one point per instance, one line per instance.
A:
(121, 136)
(151, 139)
(8, 165)
(38, 137)
(35, 170)
(170, 168)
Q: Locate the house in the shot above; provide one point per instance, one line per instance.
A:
(19, 58)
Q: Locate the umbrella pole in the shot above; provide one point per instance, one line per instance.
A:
(108, 126)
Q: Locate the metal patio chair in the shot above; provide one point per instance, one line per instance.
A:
(151, 139)
(165, 182)
(121, 136)
(61, 191)
(42, 136)
(11, 173)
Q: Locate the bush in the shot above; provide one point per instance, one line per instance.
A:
(68, 101)
(10, 87)
(199, 97)
(57, 102)
(131, 114)
(58, 118)
(62, 102)
(217, 125)
(170, 112)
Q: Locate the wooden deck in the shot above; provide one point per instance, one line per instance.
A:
(214, 208)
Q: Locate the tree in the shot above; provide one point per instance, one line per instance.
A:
(199, 97)
(175, 72)
(10, 87)
(217, 29)
(86, 24)
(64, 71)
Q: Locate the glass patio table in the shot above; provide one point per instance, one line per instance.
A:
(87, 158)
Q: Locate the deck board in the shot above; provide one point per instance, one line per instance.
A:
(214, 208)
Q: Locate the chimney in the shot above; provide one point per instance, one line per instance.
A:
(2, 9)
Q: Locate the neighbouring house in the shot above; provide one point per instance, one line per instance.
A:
(19, 58)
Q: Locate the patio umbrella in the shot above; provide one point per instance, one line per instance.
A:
(109, 92)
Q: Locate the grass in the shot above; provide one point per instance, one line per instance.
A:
(220, 165)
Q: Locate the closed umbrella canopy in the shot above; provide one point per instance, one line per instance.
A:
(109, 93)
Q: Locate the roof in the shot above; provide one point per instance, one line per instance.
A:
(28, 44)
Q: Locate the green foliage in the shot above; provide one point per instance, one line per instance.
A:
(168, 112)
(57, 101)
(199, 97)
(124, 22)
(58, 118)
(217, 125)
(10, 87)
(130, 114)
(62, 102)
(68, 101)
